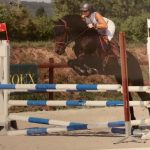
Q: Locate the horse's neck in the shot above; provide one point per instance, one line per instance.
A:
(76, 25)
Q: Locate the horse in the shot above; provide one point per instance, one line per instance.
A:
(90, 56)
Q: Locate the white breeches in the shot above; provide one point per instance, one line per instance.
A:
(110, 30)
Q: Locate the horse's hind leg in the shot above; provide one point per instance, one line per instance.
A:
(131, 108)
(119, 80)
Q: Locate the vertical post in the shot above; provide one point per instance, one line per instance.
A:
(51, 76)
(148, 45)
(124, 73)
(4, 79)
(1, 81)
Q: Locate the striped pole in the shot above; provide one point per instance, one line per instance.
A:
(74, 103)
(76, 125)
(108, 124)
(71, 87)
(44, 131)
(38, 131)
(66, 87)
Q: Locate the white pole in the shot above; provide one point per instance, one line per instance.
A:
(1, 81)
(4, 78)
(148, 44)
(6, 81)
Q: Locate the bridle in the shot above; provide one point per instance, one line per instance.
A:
(65, 42)
(66, 34)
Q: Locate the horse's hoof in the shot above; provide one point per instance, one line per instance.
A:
(13, 124)
(135, 127)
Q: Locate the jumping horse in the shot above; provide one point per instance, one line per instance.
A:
(90, 56)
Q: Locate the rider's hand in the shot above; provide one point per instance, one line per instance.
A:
(83, 16)
(90, 25)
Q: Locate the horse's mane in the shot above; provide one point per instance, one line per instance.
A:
(72, 16)
(75, 21)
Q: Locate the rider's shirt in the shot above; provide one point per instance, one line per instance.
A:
(111, 26)
(92, 19)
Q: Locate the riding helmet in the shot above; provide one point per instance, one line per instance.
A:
(86, 7)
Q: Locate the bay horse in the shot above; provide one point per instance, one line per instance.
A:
(90, 56)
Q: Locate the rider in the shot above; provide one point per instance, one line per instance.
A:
(104, 26)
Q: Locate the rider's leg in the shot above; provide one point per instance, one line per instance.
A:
(115, 47)
(104, 42)
(110, 33)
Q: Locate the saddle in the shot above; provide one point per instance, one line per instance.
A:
(109, 47)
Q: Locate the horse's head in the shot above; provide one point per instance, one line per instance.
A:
(68, 29)
(61, 36)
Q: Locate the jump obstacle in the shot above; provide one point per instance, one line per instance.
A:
(6, 89)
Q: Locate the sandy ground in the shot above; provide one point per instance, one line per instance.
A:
(80, 140)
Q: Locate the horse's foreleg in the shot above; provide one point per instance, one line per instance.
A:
(70, 53)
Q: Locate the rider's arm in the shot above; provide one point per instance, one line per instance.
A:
(101, 22)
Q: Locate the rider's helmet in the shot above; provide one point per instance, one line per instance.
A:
(86, 7)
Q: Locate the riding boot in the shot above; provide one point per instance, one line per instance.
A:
(104, 42)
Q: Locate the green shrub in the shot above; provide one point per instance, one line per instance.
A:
(136, 27)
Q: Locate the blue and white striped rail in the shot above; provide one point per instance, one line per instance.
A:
(45, 131)
(76, 125)
(74, 103)
(118, 130)
(86, 126)
(70, 126)
(79, 87)
(36, 91)
(74, 87)
(39, 131)
(136, 132)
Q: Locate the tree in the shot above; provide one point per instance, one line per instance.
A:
(40, 12)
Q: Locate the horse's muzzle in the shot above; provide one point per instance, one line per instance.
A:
(59, 51)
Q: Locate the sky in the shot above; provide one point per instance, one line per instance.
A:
(46, 1)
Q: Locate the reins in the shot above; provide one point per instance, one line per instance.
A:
(66, 33)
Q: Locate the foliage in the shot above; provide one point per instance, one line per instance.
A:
(129, 16)
(23, 27)
(40, 12)
(136, 27)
